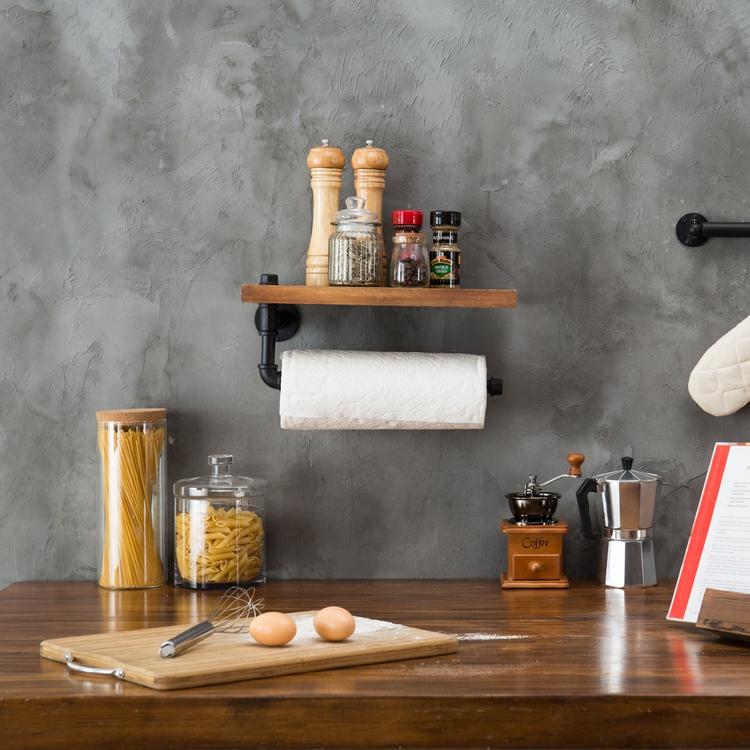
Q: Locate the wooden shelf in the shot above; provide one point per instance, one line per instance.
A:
(299, 294)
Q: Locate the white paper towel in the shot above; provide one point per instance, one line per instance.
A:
(337, 390)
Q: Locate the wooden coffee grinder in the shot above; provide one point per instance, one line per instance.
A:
(326, 164)
(535, 536)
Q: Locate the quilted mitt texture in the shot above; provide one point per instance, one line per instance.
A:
(720, 382)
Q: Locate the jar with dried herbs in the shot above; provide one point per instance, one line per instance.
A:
(355, 249)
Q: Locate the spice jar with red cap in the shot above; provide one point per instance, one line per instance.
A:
(410, 261)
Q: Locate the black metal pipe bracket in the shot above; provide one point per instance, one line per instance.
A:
(274, 323)
(277, 322)
(694, 230)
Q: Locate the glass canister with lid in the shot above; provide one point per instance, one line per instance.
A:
(219, 529)
(133, 470)
(355, 249)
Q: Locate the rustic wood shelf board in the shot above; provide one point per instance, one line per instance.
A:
(584, 667)
(298, 294)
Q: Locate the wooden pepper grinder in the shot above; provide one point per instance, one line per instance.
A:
(326, 164)
(369, 164)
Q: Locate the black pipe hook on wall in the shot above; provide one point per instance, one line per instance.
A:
(276, 322)
(694, 230)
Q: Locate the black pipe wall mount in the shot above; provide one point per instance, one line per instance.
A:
(694, 230)
(276, 322)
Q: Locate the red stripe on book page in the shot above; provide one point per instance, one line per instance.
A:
(698, 535)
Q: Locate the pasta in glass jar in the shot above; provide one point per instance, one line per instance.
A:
(134, 493)
(219, 529)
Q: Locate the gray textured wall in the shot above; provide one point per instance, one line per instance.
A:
(152, 158)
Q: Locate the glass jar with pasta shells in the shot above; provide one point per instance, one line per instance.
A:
(219, 529)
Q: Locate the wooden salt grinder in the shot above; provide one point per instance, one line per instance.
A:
(326, 164)
(369, 164)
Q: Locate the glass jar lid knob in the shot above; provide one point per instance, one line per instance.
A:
(220, 463)
(356, 213)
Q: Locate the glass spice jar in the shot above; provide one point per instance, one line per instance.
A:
(355, 249)
(219, 529)
(410, 261)
(445, 255)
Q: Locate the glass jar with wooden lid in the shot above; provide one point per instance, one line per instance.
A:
(133, 471)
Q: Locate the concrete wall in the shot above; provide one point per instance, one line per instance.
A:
(152, 158)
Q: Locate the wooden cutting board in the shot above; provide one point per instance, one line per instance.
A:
(231, 657)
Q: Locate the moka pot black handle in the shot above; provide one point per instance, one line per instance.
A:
(582, 496)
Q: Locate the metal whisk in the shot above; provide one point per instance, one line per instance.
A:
(229, 614)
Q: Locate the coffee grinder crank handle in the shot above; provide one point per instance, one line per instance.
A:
(574, 471)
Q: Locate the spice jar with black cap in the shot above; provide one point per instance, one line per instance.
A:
(445, 255)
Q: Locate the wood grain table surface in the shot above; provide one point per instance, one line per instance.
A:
(580, 667)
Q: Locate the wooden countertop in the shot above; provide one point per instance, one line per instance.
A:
(583, 667)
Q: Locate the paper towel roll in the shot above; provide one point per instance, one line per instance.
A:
(336, 390)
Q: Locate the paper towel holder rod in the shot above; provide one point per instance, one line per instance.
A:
(278, 322)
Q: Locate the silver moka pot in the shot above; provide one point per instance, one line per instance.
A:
(626, 554)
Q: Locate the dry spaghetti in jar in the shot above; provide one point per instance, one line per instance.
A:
(219, 529)
(133, 472)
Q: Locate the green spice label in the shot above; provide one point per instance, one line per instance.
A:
(441, 268)
(445, 267)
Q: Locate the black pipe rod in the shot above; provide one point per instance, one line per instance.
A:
(495, 386)
(725, 229)
(268, 327)
(271, 376)
(695, 230)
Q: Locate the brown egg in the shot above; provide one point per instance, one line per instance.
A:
(273, 629)
(334, 624)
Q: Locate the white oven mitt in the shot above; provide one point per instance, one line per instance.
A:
(720, 382)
